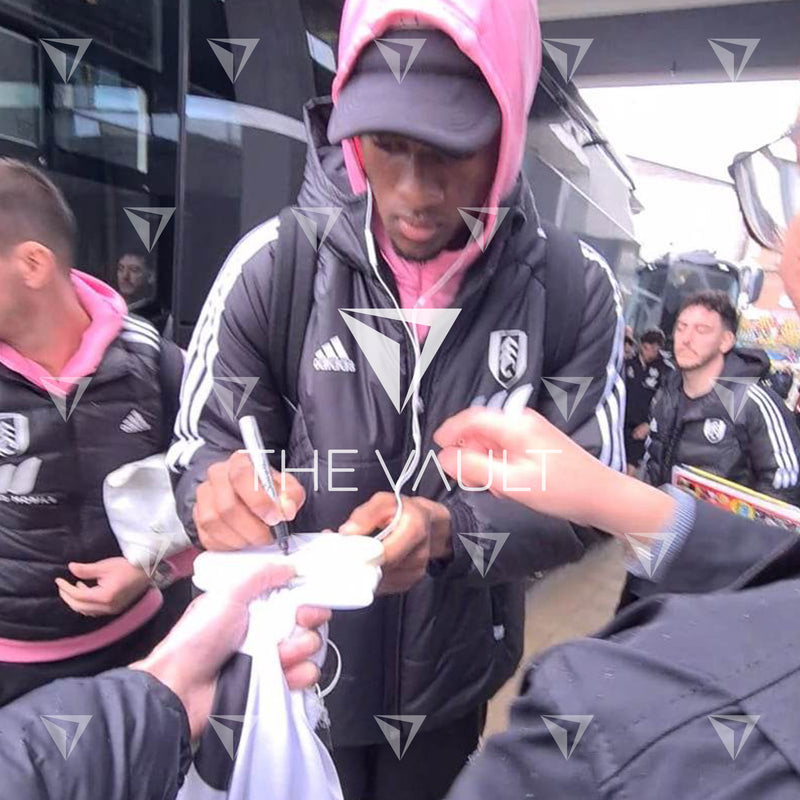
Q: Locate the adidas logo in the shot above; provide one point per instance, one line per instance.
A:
(332, 357)
(135, 423)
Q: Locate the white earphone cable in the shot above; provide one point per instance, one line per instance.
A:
(411, 331)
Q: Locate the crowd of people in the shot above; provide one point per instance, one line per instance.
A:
(89, 390)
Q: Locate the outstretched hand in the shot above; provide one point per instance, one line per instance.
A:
(525, 458)
(521, 457)
(213, 628)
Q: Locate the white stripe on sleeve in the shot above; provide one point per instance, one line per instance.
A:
(785, 457)
(138, 326)
(610, 411)
(140, 338)
(198, 378)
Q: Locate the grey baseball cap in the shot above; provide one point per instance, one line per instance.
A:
(417, 83)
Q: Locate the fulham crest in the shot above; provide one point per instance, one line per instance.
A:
(508, 356)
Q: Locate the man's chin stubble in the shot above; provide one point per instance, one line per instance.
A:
(695, 365)
(415, 258)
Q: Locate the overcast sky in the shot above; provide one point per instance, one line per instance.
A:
(699, 127)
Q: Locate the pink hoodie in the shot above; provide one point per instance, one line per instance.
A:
(503, 38)
(106, 309)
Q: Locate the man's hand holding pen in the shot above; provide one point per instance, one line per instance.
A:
(234, 511)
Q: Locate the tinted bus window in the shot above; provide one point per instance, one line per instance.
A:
(112, 149)
(322, 19)
(101, 114)
(245, 140)
(20, 97)
(110, 133)
(133, 29)
(105, 129)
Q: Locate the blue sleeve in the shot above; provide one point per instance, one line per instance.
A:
(649, 560)
(721, 550)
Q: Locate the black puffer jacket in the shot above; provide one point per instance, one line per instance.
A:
(51, 478)
(447, 645)
(741, 431)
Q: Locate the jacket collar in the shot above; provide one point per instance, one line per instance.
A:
(739, 363)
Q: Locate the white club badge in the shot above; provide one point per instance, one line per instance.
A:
(714, 430)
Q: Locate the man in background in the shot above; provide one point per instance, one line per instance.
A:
(136, 279)
(715, 414)
(630, 343)
(644, 372)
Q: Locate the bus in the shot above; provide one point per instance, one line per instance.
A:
(662, 285)
(174, 127)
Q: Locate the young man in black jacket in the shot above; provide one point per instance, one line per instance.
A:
(644, 372)
(715, 413)
(404, 160)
